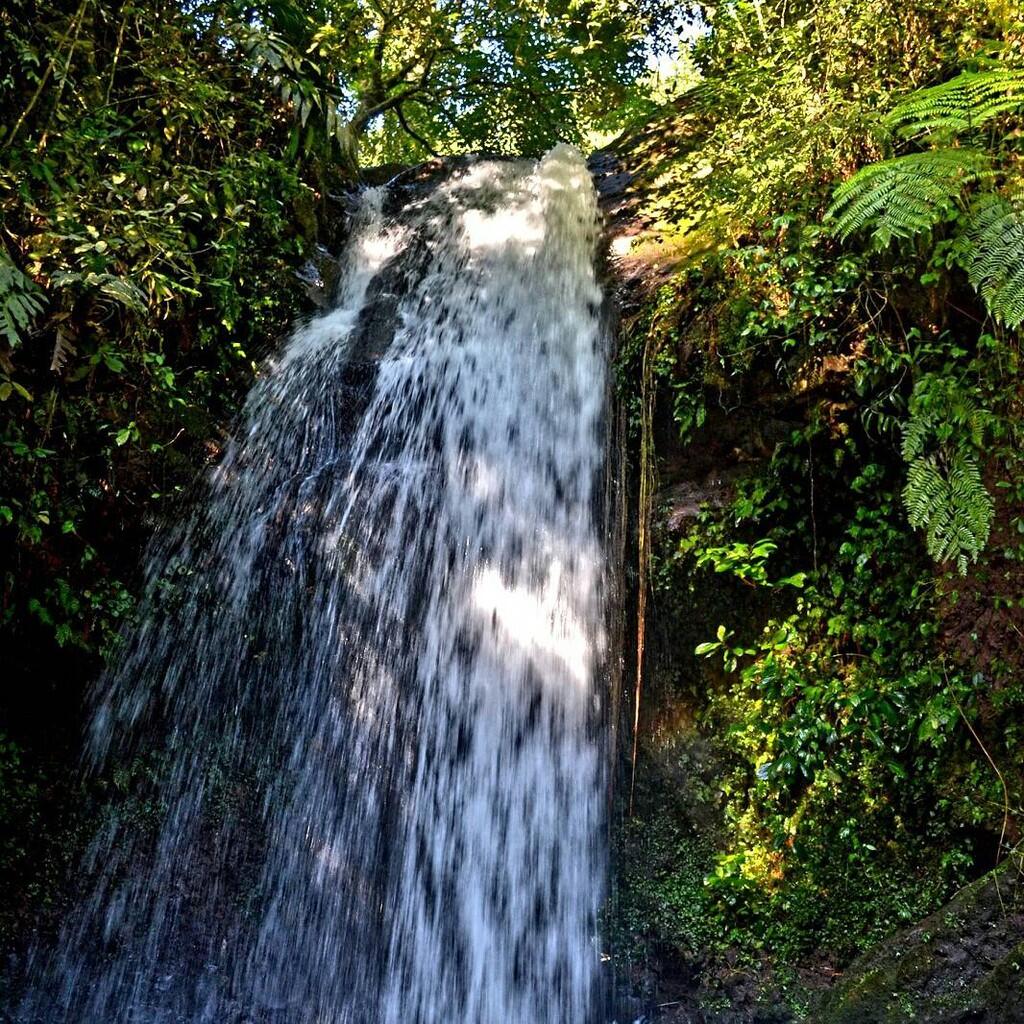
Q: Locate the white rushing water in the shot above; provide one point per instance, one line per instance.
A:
(364, 697)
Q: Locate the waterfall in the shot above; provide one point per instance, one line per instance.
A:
(360, 715)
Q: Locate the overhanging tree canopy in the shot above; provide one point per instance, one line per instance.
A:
(417, 77)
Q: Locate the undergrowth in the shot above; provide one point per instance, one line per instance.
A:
(840, 627)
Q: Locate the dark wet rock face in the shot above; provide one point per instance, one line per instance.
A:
(962, 965)
(319, 276)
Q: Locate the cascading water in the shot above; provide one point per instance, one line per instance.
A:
(374, 657)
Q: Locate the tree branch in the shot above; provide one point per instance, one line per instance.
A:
(365, 116)
(419, 138)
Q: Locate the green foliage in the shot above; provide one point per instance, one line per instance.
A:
(960, 106)
(411, 78)
(147, 205)
(20, 303)
(991, 250)
(974, 185)
(951, 504)
(788, 102)
(903, 197)
(839, 722)
(148, 200)
(725, 645)
(859, 393)
(746, 562)
(300, 83)
(944, 494)
(662, 889)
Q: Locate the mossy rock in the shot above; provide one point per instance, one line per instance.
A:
(964, 963)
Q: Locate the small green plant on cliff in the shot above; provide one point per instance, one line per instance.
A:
(944, 494)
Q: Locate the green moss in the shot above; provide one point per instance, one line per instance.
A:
(660, 894)
(964, 959)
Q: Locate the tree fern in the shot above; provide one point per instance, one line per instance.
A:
(944, 494)
(991, 250)
(902, 197)
(960, 105)
(907, 195)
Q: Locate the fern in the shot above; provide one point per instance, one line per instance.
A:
(991, 250)
(951, 505)
(125, 293)
(21, 301)
(944, 494)
(907, 195)
(902, 197)
(63, 349)
(960, 105)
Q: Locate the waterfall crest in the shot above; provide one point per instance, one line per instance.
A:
(373, 657)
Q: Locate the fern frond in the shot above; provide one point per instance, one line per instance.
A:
(960, 105)
(953, 507)
(978, 421)
(916, 436)
(902, 197)
(971, 511)
(21, 301)
(63, 348)
(925, 492)
(945, 495)
(991, 250)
